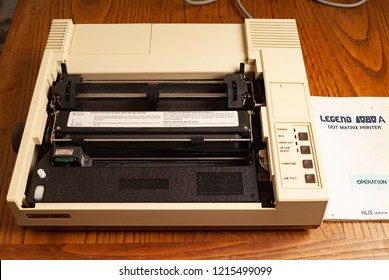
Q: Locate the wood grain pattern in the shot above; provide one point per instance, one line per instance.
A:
(346, 54)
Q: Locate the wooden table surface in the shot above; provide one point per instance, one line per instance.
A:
(346, 53)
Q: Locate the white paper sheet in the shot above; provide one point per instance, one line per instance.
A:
(353, 141)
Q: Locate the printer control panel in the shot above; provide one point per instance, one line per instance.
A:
(296, 154)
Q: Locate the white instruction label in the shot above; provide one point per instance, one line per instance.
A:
(154, 119)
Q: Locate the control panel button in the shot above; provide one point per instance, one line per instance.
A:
(310, 178)
(305, 150)
(303, 136)
(307, 163)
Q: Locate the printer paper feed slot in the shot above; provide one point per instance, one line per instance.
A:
(223, 136)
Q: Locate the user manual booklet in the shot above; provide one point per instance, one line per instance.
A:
(353, 141)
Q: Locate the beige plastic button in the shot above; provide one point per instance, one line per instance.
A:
(39, 191)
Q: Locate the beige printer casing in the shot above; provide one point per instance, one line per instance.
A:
(270, 49)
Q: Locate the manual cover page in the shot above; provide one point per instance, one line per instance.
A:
(353, 141)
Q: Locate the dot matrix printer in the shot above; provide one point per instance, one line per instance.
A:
(170, 125)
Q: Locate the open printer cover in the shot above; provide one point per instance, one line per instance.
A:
(170, 125)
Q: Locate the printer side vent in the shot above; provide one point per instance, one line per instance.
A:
(58, 33)
(263, 33)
